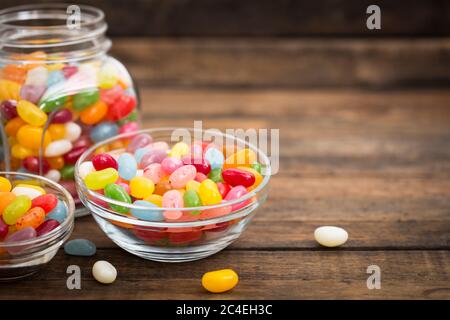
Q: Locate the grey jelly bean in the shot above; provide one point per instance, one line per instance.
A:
(80, 247)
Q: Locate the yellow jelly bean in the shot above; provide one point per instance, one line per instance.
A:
(9, 90)
(193, 185)
(99, 179)
(141, 187)
(244, 158)
(31, 114)
(178, 150)
(20, 152)
(57, 131)
(258, 177)
(209, 193)
(30, 137)
(220, 280)
(155, 199)
(55, 66)
(5, 185)
(13, 126)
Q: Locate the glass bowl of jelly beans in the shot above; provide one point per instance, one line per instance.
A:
(60, 92)
(36, 218)
(172, 200)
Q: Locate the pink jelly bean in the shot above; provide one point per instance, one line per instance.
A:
(199, 177)
(69, 71)
(128, 127)
(124, 185)
(73, 155)
(170, 164)
(154, 172)
(172, 199)
(109, 96)
(3, 228)
(153, 156)
(202, 165)
(21, 235)
(236, 193)
(103, 161)
(32, 164)
(8, 109)
(139, 141)
(46, 227)
(180, 177)
(224, 188)
(32, 93)
(62, 116)
(160, 145)
(83, 141)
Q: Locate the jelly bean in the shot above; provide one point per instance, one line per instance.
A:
(149, 214)
(181, 176)
(141, 187)
(57, 131)
(3, 229)
(199, 177)
(62, 116)
(257, 167)
(139, 141)
(14, 72)
(99, 179)
(56, 162)
(244, 157)
(215, 212)
(28, 190)
(33, 218)
(8, 109)
(94, 113)
(73, 155)
(236, 193)
(69, 71)
(209, 194)
(117, 192)
(46, 227)
(47, 202)
(160, 145)
(52, 103)
(83, 141)
(70, 186)
(5, 199)
(184, 237)
(21, 235)
(193, 185)
(155, 199)
(103, 131)
(172, 199)
(224, 188)
(330, 236)
(216, 175)
(58, 148)
(83, 100)
(30, 137)
(54, 77)
(31, 114)
(170, 164)
(9, 90)
(220, 281)
(85, 168)
(73, 131)
(202, 165)
(140, 152)
(127, 166)
(215, 158)
(192, 199)
(20, 152)
(104, 272)
(16, 209)
(154, 172)
(32, 93)
(121, 107)
(37, 76)
(109, 96)
(13, 126)
(32, 164)
(256, 174)
(179, 150)
(53, 175)
(238, 177)
(153, 156)
(103, 160)
(5, 185)
(128, 127)
(80, 247)
(59, 213)
(108, 75)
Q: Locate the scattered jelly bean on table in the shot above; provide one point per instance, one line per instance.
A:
(330, 236)
(104, 272)
(80, 247)
(220, 280)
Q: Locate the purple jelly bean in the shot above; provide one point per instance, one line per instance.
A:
(47, 226)
(139, 141)
(62, 116)
(32, 93)
(153, 156)
(8, 109)
(21, 235)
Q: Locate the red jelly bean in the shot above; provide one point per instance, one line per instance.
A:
(103, 160)
(184, 237)
(73, 155)
(199, 177)
(121, 108)
(8, 109)
(46, 227)
(83, 141)
(62, 116)
(3, 228)
(32, 164)
(46, 201)
(237, 177)
(150, 235)
(109, 96)
(202, 165)
(223, 189)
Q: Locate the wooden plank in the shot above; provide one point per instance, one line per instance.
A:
(312, 62)
(263, 275)
(268, 17)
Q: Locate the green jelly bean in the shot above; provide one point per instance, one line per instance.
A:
(52, 104)
(83, 100)
(16, 209)
(192, 199)
(116, 192)
(257, 167)
(216, 175)
(129, 118)
(67, 172)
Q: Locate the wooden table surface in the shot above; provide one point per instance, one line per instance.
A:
(368, 154)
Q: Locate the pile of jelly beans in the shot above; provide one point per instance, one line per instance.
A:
(151, 174)
(52, 112)
(27, 211)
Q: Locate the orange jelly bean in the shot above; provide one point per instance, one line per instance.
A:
(94, 113)
(33, 218)
(14, 72)
(5, 199)
(57, 131)
(244, 158)
(56, 162)
(30, 137)
(13, 126)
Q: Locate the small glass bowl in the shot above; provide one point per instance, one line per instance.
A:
(30, 255)
(178, 241)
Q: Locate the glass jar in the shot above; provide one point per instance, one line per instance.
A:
(60, 91)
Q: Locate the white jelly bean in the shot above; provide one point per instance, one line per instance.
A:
(73, 131)
(53, 175)
(24, 191)
(330, 236)
(37, 76)
(58, 148)
(104, 272)
(86, 168)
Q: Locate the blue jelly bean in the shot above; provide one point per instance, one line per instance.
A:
(104, 131)
(59, 213)
(140, 152)
(127, 166)
(214, 157)
(80, 247)
(54, 76)
(147, 214)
